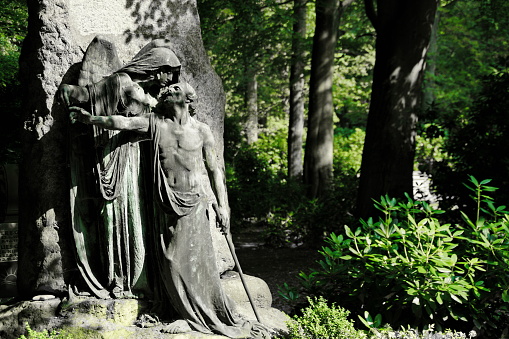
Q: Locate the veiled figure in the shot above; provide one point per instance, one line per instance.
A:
(183, 148)
(107, 185)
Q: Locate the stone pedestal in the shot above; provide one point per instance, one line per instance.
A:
(96, 318)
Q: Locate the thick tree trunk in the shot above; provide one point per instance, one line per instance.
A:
(296, 124)
(320, 137)
(431, 65)
(403, 35)
(252, 108)
(318, 156)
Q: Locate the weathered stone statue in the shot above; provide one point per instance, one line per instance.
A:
(107, 196)
(182, 150)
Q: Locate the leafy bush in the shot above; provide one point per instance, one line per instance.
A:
(411, 333)
(297, 220)
(320, 320)
(260, 191)
(477, 144)
(348, 144)
(256, 177)
(14, 18)
(410, 269)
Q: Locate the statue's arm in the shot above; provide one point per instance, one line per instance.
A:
(113, 122)
(216, 177)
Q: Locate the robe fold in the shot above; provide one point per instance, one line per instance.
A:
(186, 258)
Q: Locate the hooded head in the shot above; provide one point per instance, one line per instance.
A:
(152, 61)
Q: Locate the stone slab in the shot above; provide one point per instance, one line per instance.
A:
(95, 318)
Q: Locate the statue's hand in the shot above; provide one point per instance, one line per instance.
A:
(79, 114)
(64, 93)
(223, 218)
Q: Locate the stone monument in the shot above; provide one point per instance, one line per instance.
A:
(8, 230)
(64, 272)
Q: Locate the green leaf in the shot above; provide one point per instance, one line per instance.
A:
(439, 298)
(505, 296)
(484, 182)
(473, 180)
(348, 232)
(455, 298)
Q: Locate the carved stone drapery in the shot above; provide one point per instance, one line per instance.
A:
(58, 35)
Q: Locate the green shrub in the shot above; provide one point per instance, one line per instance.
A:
(476, 144)
(321, 321)
(298, 220)
(408, 268)
(410, 333)
(260, 191)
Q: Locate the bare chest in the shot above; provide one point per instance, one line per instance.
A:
(180, 138)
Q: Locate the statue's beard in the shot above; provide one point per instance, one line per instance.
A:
(175, 101)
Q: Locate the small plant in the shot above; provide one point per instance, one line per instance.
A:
(410, 333)
(319, 320)
(31, 334)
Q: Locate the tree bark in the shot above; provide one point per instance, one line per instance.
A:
(252, 108)
(296, 124)
(403, 36)
(320, 136)
(431, 65)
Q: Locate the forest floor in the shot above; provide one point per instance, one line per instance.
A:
(275, 266)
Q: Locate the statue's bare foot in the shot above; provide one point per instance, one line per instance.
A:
(178, 326)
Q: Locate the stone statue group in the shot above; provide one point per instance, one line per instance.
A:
(141, 210)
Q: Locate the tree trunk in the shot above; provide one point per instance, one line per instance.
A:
(296, 124)
(320, 137)
(403, 35)
(431, 65)
(252, 108)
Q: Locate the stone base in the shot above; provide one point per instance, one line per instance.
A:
(115, 318)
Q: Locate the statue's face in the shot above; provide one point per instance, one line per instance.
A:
(173, 101)
(175, 95)
(164, 78)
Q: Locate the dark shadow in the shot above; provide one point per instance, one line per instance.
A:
(159, 19)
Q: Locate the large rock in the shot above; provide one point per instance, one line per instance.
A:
(120, 318)
(59, 32)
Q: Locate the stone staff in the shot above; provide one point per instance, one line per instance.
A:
(239, 269)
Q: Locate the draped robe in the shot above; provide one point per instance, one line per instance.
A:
(186, 258)
(107, 227)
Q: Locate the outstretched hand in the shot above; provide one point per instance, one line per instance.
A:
(79, 114)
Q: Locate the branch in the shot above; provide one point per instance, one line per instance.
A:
(450, 3)
(346, 3)
(276, 4)
(370, 12)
